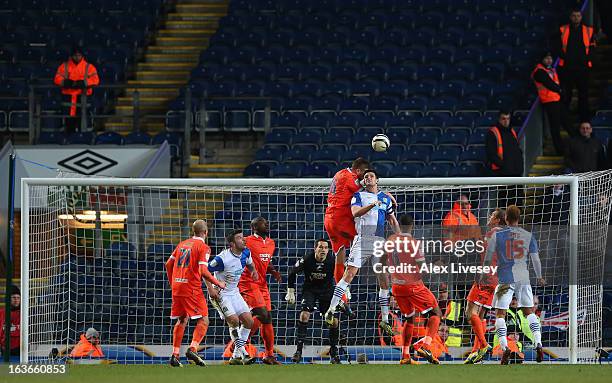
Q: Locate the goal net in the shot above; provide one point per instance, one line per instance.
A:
(93, 254)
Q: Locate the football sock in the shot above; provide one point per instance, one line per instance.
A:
(534, 326)
(383, 300)
(177, 338)
(302, 328)
(407, 335)
(433, 323)
(198, 334)
(478, 331)
(243, 335)
(334, 334)
(500, 328)
(339, 290)
(267, 332)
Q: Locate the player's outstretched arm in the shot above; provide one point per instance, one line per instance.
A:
(212, 292)
(394, 223)
(358, 211)
(209, 277)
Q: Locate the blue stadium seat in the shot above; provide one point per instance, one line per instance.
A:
(316, 171)
(427, 136)
(478, 137)
(454, 136)
(410, 170)
(297, 155)
(446, 153)
(436, 170)
(325, 154)
(257, 170)
(286, 170)
(80, 138)
(416, 153)
(339, 135)
(54, 138)
(268, 154)
(473, 153)
(310, 136)
(133, 138)
(109, 138)
(278, 137)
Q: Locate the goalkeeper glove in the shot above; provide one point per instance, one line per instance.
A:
(290, 297)
(79, 84)
(68, 83)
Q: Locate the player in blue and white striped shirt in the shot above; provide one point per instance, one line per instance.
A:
(371, 210)
(511, 245)
(228, 267)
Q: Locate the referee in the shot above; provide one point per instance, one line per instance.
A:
(318, 269)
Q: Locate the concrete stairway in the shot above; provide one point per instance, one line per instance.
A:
(168, 63)
(179, 214)
(229, 156)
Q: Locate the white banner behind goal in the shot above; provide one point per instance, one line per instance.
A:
(93, 254)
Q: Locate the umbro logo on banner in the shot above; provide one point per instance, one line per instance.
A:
(87, 163)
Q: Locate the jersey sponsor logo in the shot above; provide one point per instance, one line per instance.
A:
(318, 275)
(181, 280)
(265, 257)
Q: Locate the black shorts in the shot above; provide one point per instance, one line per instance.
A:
(316, 300)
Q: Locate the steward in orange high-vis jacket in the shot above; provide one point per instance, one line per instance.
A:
(74, 76)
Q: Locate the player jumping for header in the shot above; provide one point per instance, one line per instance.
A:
(339, 221)
(228, 266)
(256, 293)
(371, 208)
(511, 245)
(185, 269)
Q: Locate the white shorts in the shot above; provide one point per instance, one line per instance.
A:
(362, 250)
(504, 292)
(229, 305)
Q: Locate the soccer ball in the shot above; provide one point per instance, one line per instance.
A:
(380, 143)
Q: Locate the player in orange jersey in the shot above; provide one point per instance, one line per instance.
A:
(256, 293)
(410, 292)
(480, 297)
(185, 268)
(339, 221)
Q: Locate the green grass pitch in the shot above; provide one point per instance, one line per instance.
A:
(326, 374)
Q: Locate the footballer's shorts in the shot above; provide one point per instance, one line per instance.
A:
(502, 297)
(362, 251)
(192, 306)
(481, 295)
(313, 300)
(414, 298)
(256, 296)
(341, 230)
(231, 304)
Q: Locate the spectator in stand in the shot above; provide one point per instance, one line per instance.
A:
(74, 76)
(576, 50)
(584, 153)
(460, 223)
(88, 346)
(505, 159)
(15, 322)
(549, 92)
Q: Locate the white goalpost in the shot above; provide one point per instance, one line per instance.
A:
(93, 253)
